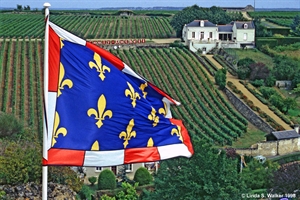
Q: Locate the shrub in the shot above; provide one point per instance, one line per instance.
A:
(128, 192)
(86, 192)
(20, 161)
(92, 180)
(9, 125)
(106, 180)
(65, 175)
(142, 176)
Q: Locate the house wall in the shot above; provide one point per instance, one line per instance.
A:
(91, 171)
(240, 35)
(272, 148)
(198, 31)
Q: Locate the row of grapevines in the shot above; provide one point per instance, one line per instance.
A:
(32, 26)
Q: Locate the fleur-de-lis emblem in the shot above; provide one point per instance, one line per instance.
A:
(102, 113)
(152, 116)
(177, 131)
(61, 43)
(128, 134)
(57, 130)
(150, 142)
(133, 95)
(98, 65)
(95, 146)
(163, 110)
(143, 87)
(62, 83)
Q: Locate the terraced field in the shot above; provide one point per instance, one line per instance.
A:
(177, 71)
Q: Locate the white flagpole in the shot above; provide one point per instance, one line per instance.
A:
(45, 132)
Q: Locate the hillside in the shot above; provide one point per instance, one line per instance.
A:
(177, 71)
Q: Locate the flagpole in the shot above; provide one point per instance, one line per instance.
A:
(45, 133)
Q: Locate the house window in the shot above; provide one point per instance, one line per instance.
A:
(193, 34)
(210, 34)
(202, 35)
(245, 36)
(98, 169)
(128, 168)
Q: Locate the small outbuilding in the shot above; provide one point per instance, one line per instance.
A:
(282, 135)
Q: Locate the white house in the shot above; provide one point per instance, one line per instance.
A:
(204, 35)
(130, 169)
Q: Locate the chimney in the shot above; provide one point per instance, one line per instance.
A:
(296, 128)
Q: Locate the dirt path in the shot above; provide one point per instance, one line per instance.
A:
(246, 16)
(250, 96)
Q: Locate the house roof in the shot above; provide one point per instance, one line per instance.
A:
(240, 24)
(287, 134)
(196, 23)
(225, 28)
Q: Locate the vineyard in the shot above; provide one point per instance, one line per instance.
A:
(87, 26)
(177, 71)
(274, 14)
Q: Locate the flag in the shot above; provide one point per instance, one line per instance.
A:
(99, 112)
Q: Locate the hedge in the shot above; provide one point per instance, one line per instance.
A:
(273, 41)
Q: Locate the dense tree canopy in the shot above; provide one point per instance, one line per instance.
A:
(208, 174)
(214, 14)
(286, 69)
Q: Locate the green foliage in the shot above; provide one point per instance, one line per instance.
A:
(10, 126)
(257, 175)
(106, 180)
(66, 176)
(277, 101)
(216, 15)
(142, 176)
(258, 82)
(295, 26)
(245, 62)
(208, 174)
(122, 175)
(128, 192)
(267, 92)
(243, 72)
(20, 161)
(86, 193)
(220, 78)
(106, 197)
(92, 180)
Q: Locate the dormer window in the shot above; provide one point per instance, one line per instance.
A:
(245, 26)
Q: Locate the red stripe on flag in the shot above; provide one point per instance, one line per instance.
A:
(138, 155)
(106, 55)
(184, 133)
(65, 157)
(53, 60)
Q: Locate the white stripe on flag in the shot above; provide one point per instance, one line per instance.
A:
(67, 35)
(104, 158)
(173, 150)
(51, 116)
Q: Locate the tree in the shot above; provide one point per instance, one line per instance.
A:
(286, 180)
(19, 7)
(258, 71)
(296, 91)
(289, 103)
(295, 26)
(208, 174)
(214, 14)
(256, 175)
(220, 78)
(267, 92)
(277, 101)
